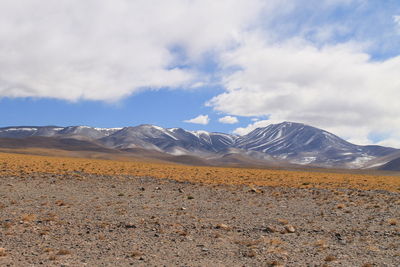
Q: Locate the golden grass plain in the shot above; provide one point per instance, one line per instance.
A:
(24, 165)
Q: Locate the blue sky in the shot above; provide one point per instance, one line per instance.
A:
(333, 64)
(165, 108)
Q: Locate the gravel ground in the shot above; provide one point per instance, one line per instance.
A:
(52, 220)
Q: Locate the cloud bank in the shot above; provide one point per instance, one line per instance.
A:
(106, 50)
(228, 120)
(201, 119)
(286, 60)
(335, 87)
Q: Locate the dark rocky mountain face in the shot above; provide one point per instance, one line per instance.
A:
(294, 143)
(393, 165)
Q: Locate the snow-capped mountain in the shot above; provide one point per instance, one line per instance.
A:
(175, 141)
(290, 142)
(303, 144)
(26, 131)
(87, 132)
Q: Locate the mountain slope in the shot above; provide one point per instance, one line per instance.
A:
(69, 144)
(393, 165)
(303, 144)
(175, 141)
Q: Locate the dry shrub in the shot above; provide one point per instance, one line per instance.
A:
(321, 244)
(182, 233)
(29, 217)
(392, 221)
(330, 258)
(3, 252)
(136, 253)
(372, 248)
(250, 253)
(60, 203)
(63, 252)
(28, 165)
(217, 235)
(7, 225)
(275, 242)
(223, 226)
(52, 258)
(275, 263)
(341, 206)
(283, 221)
(50, 217)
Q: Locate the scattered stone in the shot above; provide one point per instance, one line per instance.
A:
(129, 225)
(253, 189)
(290, 228)
(235, 227)
(270, 229)
(223, 226)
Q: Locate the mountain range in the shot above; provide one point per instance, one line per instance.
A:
(283, 144)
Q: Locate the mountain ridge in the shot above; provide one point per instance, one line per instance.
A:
(290, 142)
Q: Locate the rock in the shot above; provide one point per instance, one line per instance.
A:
(222, 226)
(290, 229)
(255, 190)
(129, 225)
(270, 229)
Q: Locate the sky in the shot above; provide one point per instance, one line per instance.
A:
(226, 66)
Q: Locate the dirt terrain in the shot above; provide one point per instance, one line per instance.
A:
(85, 212)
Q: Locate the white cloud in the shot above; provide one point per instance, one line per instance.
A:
(201, 119)
(272, 61)
(336, 87)
(105, 50)
(228, 120)
(396, 20)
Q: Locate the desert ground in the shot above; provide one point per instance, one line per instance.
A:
(65, 211)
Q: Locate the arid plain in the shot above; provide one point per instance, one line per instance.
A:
(71, 211)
